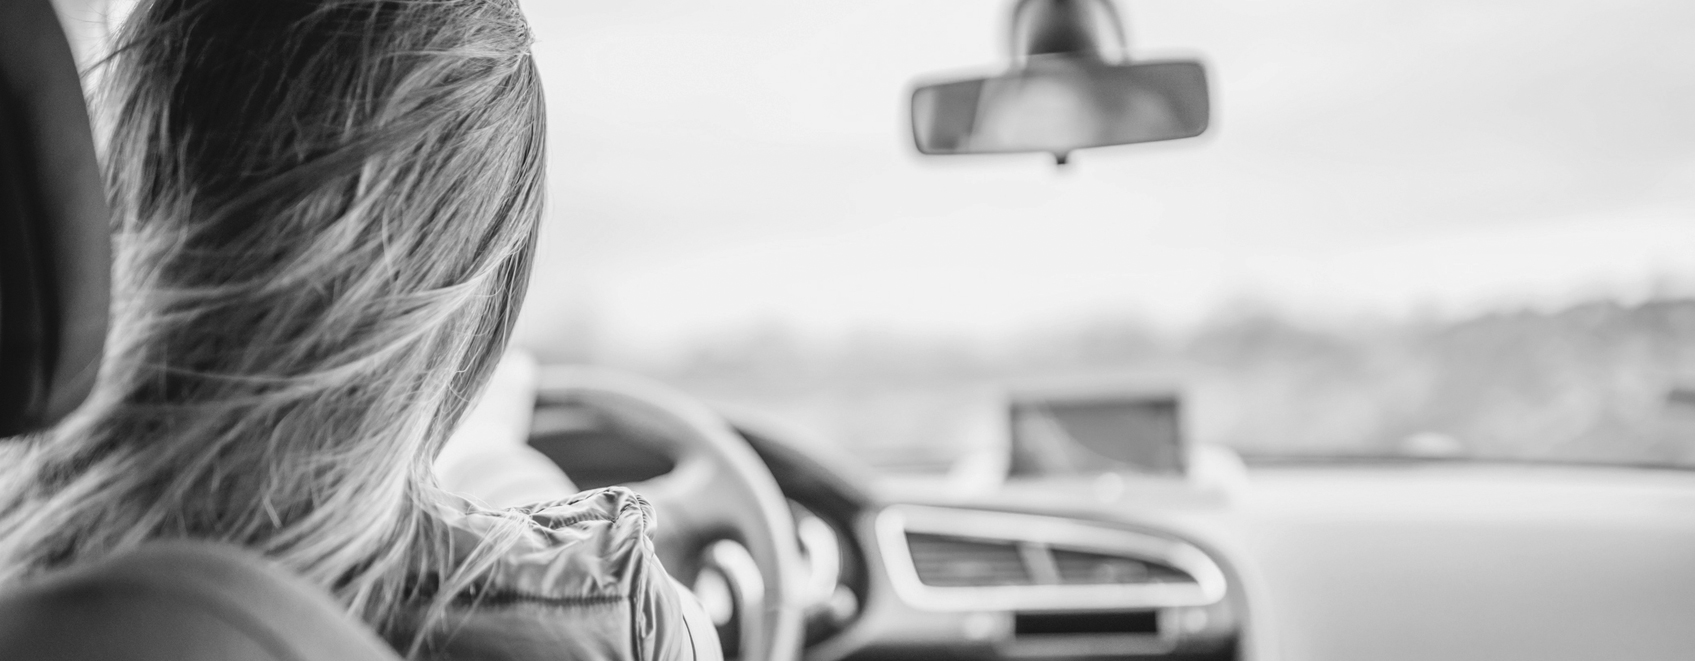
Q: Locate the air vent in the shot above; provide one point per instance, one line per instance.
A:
(947, 561)
(958, 559)
(1082, 568)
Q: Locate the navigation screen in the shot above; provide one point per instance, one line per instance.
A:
(1097, 434)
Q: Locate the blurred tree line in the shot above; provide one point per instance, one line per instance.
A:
(1595, 382)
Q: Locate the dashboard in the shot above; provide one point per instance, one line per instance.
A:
(1451, 560)
(953, 580)
(897, 578)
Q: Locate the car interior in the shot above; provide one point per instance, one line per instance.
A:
(1101, 532)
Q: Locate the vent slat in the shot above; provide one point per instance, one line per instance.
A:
(947, 561)
(1083, 568)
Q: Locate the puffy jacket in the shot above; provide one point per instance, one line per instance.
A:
(582, 585)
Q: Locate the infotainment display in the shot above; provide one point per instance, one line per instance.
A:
(1098, 430)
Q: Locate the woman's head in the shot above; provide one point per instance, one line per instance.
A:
(325, 214)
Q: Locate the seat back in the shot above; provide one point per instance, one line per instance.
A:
(181, 601)
(54, 234)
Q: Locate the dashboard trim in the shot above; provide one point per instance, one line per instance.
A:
(895, 521)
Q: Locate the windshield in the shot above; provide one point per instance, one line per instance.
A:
(1413, 229)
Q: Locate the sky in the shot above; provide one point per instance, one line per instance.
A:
(717, 165)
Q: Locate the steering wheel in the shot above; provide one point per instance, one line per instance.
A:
(724, 527)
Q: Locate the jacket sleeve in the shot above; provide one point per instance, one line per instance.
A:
(584, 585)
(682, 630)
(668, 624)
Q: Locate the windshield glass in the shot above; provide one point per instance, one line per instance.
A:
(1431, 229)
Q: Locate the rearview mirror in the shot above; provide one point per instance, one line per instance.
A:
(1060, 103)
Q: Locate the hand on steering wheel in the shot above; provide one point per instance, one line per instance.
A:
(723, 524)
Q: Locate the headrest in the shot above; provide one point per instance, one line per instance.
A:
(54, 235)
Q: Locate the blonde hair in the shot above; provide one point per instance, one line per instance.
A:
(325, 216)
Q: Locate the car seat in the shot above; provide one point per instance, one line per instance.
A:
(184, 601)
(181, 601)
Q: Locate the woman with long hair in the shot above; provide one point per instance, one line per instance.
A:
(325, 212)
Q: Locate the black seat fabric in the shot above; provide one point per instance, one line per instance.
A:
(54, 235)
(181, 601)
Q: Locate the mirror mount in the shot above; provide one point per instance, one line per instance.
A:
(1074, 28)
(1089, 29)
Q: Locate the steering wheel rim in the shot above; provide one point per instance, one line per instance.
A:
(718, 491)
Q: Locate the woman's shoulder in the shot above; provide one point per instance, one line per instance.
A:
(578, 581)
(595, 545)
